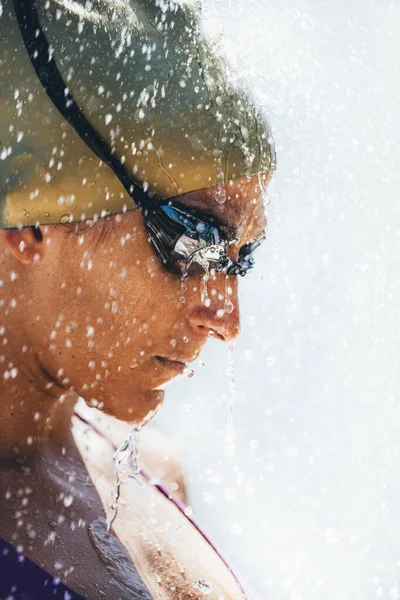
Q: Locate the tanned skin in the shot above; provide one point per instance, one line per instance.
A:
(86, 310)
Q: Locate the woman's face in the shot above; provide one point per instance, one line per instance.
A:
(105, 317)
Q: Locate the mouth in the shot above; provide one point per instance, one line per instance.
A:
(174, 365)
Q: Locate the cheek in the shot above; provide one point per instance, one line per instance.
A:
(119, 307)
(128, 298)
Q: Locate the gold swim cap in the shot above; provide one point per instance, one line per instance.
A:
(138, 86)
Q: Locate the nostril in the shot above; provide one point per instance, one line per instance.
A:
(212, 333)
(215, 334)
(206, 323)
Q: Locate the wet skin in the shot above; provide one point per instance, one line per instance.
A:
(92, 310)
(87, 311)
(153, 545)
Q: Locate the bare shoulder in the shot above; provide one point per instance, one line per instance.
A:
(159, 455)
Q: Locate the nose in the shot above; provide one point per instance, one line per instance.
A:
(219, 316)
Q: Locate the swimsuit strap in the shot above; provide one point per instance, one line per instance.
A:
(180, 506)
(50, 77)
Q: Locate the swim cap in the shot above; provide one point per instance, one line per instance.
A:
(147, 93)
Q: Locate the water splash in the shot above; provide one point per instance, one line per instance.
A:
(184, 286)
(230, 434)
(189, 373)
(203, 586)
(204, 289)
(228, 306)
(126, 468)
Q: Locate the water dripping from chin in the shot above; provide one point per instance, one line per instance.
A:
(127, 470)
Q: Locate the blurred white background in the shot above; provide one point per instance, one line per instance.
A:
(309, 506)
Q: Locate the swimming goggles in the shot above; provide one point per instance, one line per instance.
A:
(188, 245)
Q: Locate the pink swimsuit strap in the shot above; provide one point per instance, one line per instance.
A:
(181, 507)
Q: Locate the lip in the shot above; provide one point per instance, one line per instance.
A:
(175, 365)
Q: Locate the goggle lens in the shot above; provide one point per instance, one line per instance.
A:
(189, 246)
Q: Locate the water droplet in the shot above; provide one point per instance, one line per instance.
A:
(220, 195)
(189, 373)
(204, 290)
(183, 284)
(126, 469)
(228, 306)
(68, 500)
(270, 361)
(203, 586)
(228, 291)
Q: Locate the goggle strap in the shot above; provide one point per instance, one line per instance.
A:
(51, 79)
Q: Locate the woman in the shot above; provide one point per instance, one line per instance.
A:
(132, 180)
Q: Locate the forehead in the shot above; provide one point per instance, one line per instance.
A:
(240, 203)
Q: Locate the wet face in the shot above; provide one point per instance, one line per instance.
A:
(105, 317)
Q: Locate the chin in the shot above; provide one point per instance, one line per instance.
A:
(139, 408)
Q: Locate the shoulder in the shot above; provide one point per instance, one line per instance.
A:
(160, 458)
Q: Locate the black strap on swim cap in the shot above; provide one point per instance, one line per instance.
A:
(50, 77)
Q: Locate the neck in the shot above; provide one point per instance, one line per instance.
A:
(35, 410)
